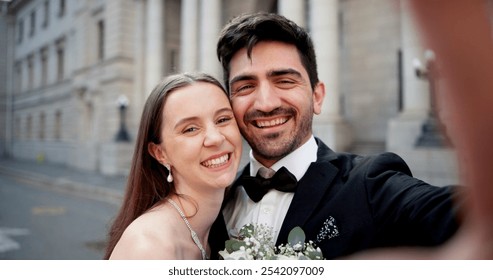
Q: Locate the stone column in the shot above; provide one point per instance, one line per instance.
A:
(210, 25)
(323, 24)
(189, 36)
(404, 130)
(154, 50)
(294, 10)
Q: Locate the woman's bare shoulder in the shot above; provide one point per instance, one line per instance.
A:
(151, 236)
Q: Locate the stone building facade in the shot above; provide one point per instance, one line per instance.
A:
(69, 63)
(3, 76)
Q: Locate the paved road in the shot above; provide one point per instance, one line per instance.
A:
(37, 223)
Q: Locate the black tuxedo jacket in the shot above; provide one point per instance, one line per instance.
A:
(347, 203)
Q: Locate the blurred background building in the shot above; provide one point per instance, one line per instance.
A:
(74, 75)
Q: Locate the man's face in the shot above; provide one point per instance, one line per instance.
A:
(272, 99)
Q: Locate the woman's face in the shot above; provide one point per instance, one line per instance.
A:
(200, 137)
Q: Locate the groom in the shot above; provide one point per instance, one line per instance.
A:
(344, 202)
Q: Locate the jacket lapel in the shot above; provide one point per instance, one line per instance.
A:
(311, 189)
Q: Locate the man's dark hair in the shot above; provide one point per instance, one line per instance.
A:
(249, 29)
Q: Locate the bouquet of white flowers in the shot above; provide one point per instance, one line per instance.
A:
(254, 242)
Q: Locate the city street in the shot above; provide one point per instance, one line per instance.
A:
(37, 223)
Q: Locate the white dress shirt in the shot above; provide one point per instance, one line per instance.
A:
(272, 209)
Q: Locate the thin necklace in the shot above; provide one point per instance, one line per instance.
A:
(192, 232)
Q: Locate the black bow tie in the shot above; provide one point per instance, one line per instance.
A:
(256, 187)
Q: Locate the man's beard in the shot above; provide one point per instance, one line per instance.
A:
(272, 147)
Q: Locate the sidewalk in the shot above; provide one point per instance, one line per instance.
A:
(62, 178)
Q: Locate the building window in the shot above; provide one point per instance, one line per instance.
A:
(60, 59)
(101, 40)
(46, 13)
(20, 31)
(29, 127)
(44, 67)
(61, 8)
(173, 61)
(60, 55)
(33, 24)
(88, 119)
(18, 77)
(42, 125)
(57, 133)
(17, 128)
(30, 72)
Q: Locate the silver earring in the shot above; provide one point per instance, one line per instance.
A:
(170, 177)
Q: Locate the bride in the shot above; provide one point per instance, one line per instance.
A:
(187, 152)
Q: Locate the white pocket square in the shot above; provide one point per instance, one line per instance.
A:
(329, 230)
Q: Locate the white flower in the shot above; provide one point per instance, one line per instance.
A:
(282, 257)
(236, 255)
(254, 242)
